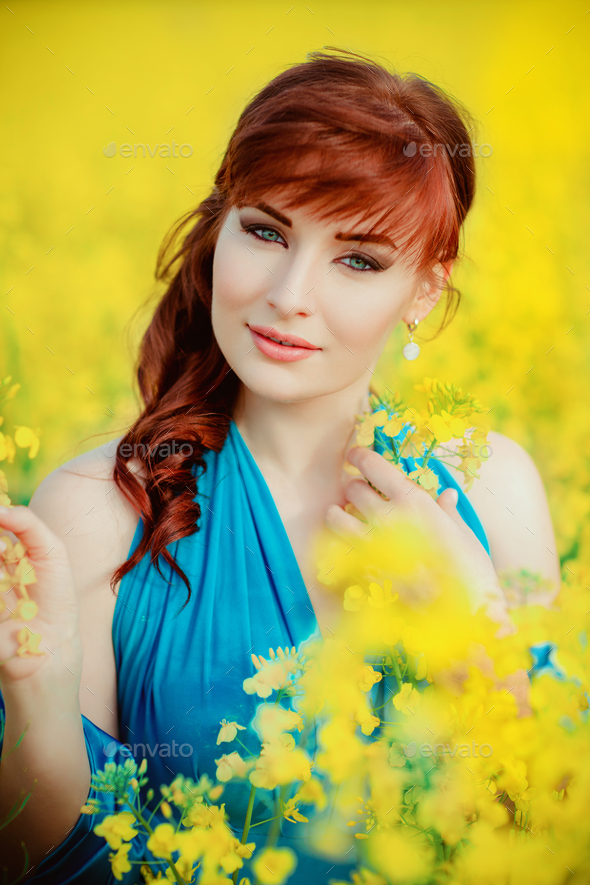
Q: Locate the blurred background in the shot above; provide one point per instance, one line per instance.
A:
(80, 230)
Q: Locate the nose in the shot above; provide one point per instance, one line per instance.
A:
(294, 290)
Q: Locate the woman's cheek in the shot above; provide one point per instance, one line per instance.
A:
(363, 330)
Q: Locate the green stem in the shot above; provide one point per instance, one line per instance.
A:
(404, 443)
(141, 819)
(154, 811)
(396, 670)
(260, 822)
(275, 829)
(244, 746)
(246, 829)
(333, 806)
(429, 451)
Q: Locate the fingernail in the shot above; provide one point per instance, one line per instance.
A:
(454, 496)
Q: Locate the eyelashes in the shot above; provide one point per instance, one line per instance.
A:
(372, 265)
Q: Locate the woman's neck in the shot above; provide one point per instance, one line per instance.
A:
(301, 441)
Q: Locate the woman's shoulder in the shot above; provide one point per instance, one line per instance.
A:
(509, 474)
(510, 500)
(81, 504)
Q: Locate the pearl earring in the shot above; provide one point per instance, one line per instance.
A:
(411, 351)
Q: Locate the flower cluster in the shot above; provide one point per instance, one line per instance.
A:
(445, 759)
(445, 751)
(409, 432)
(16, 570)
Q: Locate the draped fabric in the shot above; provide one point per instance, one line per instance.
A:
(181, 666)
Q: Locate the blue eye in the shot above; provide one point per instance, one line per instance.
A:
(253, 228)
(275, 237)
(365, 261)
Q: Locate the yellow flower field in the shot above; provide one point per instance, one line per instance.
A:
(80, 230)
(116, 117)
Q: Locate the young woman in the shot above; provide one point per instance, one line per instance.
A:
(332, 219)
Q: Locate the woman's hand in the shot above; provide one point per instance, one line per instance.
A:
(405, 499)
(57, 616)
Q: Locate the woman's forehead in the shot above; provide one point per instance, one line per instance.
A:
(280, 204)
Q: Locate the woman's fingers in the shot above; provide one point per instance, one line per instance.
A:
(30, 530)
(447, 501)
(390, 480)
(366, 500)
(343, 523)
(53, 587)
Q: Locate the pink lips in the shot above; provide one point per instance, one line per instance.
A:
(285, 352)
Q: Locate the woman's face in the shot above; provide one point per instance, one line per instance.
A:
(282, 274)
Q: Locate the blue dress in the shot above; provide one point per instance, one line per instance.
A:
(181, 668)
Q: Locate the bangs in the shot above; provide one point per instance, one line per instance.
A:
(387, 182)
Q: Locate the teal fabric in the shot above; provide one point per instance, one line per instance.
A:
(446, 481)
(181, 667)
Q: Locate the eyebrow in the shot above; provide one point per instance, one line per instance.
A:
(346, 236)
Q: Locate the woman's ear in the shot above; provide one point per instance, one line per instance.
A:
(428, 292)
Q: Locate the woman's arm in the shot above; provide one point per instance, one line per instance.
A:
(510, 500)
(69, 724)
(40, 699)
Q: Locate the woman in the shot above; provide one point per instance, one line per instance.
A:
(332, 220)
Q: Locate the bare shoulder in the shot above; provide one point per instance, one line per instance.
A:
(510, 499)
(82, 505)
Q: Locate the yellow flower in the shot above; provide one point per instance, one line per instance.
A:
(193, 843)
(274, 674)
(228, 731)
(184, 868)
(446, 427)
(422, 669)
(162, 842)
(313, 792)
(512, 777)
(149, 876)
(116, 828)
(90, 807)
(7, 449)
(273, 865)
(426, 478)
(272, 720)
(392, 427)
(407, 699)
(366, 720)
(280, 763)
(399, 858)
(353, 598)
(291, 812)
(231, 765)
(25, 438)
(28, 644)
(25, 609)
(342, 751)
(366, 428)
(120, 862)
(412, 641)
(14, 389)
(368, 677)
(381, 597)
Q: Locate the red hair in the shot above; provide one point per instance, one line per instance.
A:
(337, 133)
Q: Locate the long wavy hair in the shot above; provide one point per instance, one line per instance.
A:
(339, 133)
